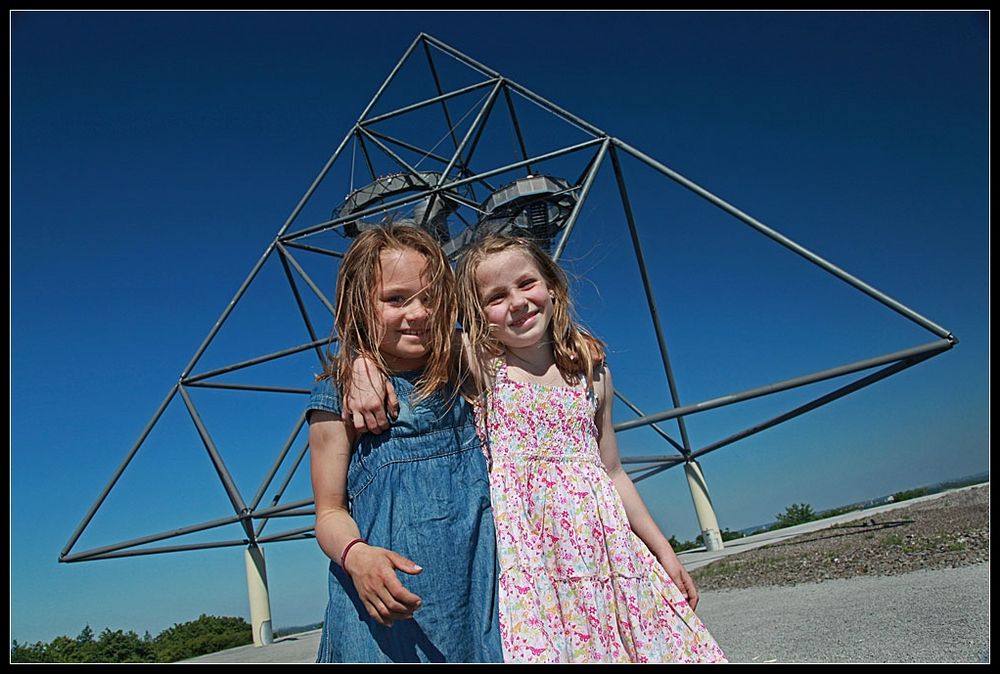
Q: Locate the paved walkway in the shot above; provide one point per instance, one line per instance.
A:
(867, 619)
(939, 616)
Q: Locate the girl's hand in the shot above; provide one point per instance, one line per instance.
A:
(682, 579)
(373, 571)
(369, 399)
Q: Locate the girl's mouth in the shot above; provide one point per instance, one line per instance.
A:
(527, 318)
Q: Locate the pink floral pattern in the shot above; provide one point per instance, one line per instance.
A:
(576, 584)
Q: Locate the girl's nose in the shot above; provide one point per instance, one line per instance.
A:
(418, 311)
(518, 301)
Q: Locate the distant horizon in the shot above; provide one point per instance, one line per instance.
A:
(959, 483)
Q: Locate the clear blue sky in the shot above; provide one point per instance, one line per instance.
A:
(155, 155)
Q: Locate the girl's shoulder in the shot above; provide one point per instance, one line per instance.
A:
(325, 396)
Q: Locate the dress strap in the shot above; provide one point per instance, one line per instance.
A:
(592, 393)
(500, 370)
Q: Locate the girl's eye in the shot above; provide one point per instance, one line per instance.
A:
(528, 283)
(395, 300)
(494, 299)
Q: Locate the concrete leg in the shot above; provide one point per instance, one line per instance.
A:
(260, 603)
(710, 533)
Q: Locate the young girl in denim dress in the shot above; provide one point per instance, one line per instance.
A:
(585, 573)
(405, 515)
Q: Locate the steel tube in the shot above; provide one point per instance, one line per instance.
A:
(933, 348)
(654, 312)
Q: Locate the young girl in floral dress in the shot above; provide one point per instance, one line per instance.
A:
(585, 573)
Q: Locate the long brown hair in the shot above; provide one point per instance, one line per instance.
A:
(577, 352)
(357, 324)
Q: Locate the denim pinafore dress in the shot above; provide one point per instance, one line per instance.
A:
(420, 489)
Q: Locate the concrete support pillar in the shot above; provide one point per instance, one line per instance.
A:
(260, 603)
(710, 533)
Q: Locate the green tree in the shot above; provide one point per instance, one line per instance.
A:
(910, 493)
(27, 653)
(86, 648)
(207, 634)
(797, 513)
(681, 547)
(121, 646)
(86, 636)
(62, 649)
(728, 535)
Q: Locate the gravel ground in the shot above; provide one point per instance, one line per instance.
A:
(947, 532)
(906, 586)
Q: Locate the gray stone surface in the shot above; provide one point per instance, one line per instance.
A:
(935, 616)
(939, 616)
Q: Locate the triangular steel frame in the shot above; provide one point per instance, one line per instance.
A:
(597, 148)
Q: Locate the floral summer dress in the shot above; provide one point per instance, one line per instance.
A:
(576, 584)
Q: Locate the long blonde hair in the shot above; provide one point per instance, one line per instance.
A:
(577, 353)
(357, 324)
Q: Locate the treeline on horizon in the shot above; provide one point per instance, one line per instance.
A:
(800, 513)
(207, 634)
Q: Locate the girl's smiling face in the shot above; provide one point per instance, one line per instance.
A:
(403, 309)
(515, 298)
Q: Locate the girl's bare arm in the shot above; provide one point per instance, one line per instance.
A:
(370, 567)
(638, 515)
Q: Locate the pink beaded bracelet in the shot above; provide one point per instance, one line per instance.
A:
(343, 555)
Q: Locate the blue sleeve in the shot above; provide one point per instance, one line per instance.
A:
(325, 396)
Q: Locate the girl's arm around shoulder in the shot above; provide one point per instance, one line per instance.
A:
(370, 402)
(639, 518)
(371, 568)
